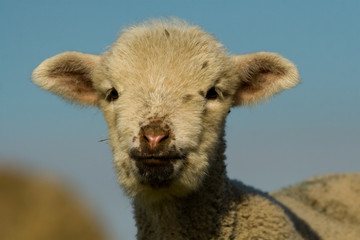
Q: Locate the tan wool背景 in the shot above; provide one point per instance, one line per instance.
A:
(37, 206)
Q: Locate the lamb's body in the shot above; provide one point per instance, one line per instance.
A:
(329, 204)
(165, 90)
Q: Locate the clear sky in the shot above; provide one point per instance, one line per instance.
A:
(312, 129)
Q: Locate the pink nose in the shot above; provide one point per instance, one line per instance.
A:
(155, 136)
(154, 140)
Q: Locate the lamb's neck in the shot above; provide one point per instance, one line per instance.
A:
(204, 214)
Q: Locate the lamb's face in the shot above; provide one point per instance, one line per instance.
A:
(165, 113)
(165, 90)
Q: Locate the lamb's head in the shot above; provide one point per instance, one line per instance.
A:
(165, 89)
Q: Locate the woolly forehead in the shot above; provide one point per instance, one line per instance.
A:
(181, 56)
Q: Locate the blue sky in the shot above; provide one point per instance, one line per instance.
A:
(312, 129)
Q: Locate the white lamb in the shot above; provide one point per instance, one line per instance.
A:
(165, 89)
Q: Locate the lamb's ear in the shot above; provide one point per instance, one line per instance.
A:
(261, 76)
(69, 75)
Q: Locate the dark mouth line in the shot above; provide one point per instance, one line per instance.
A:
(160, 158)
(166, 156)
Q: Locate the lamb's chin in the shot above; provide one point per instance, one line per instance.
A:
(161, 182)
(156, 170)
(155, 173)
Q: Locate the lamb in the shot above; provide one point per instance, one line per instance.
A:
(165, 88)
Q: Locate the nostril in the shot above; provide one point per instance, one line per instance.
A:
(146, 139)
(164, 138)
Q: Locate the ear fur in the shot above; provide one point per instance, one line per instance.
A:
(262, 75)
(69, 75)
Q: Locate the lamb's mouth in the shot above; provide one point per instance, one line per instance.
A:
(157, 171)
(157, 160)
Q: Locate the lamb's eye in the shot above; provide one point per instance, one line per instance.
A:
(112, 95)
(212, 94)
